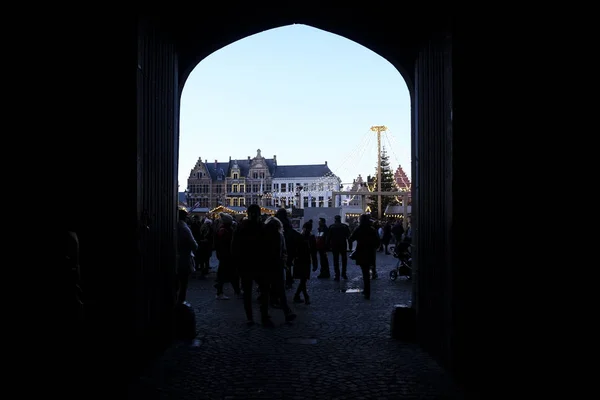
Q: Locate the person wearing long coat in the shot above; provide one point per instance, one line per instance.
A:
(306, 253)
(227, 269)
(365, 255)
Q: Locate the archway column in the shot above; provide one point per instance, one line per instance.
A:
(432, 204)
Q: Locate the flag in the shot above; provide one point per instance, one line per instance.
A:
(195, 206)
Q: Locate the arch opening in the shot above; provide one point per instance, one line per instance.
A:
(166, 61)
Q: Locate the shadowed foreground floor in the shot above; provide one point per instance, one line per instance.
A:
(339, 347)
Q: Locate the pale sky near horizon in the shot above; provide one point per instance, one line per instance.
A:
(303, 94)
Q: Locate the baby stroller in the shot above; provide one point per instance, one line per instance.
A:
(404, 265)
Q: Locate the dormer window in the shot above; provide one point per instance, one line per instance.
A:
(235, 175)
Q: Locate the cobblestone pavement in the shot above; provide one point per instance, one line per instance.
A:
(339, 347)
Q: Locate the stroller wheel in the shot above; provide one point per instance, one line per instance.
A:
(393, 275)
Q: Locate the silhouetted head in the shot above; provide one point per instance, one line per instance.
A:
(337, 218)
(307, 227)
(365, 219)
(281, 214)
(183, 215)
(226, 219)
(254, 213)
(273, 223)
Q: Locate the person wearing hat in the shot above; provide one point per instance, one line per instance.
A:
(337, 241)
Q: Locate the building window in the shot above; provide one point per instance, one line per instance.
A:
(235, 175)
(321, 201)
(305, 201)
(234, 188)
(276, 187)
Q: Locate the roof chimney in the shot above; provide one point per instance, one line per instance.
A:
(248, 158)
(325, 162)
(274, 157)
(205, 161)
(229, 158)
(216, 162)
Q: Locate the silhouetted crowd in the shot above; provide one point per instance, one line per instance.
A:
(269, 255)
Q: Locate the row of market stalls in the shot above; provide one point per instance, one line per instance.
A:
(237, 212)
(390, 212)
(297, 214)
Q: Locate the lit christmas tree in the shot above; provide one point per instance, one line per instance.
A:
(388, 184)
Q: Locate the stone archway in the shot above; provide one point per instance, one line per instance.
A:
(421, 55)
(129, 273)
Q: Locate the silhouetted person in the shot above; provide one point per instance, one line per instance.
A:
(398, 231)
(275, 258)
(205, 247)
(73, 273)
(248, 248)
(337, 240)
(387, 236)
(195, 228)
(226, 271)
(186, 246)
(291, 238)
(305, 255)
(367, 242)
(322, 232)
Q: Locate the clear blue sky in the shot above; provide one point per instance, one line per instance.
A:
(301, 93)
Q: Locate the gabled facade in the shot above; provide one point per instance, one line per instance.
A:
(358, 185)
(402, 180)
(259, 180)
(199, 188)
